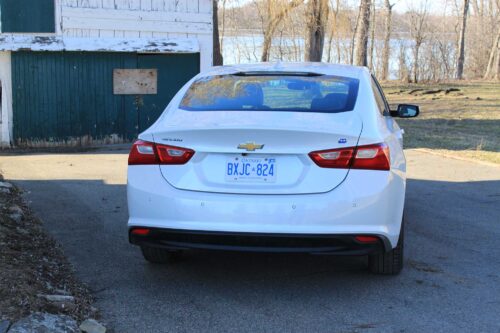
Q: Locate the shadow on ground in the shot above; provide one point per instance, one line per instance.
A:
(450, 281)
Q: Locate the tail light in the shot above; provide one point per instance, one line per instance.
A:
(371, 157)
(144, 152)
(333, 158)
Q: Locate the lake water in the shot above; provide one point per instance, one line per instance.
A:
(248, 49)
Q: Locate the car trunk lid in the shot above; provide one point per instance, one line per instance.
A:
(249, 152)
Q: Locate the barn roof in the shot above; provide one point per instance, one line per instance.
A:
(62, 43)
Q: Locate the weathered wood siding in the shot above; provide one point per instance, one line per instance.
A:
(67, 97)
(6, 100)
(139, 19)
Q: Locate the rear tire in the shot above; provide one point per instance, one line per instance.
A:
(389, 263)
(157, 255)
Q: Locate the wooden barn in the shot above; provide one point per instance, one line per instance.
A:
(83, 72)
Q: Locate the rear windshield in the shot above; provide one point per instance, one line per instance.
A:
(323, 93)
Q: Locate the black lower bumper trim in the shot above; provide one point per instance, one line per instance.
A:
(177, 239)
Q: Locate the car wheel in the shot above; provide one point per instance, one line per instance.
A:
(389, 263)
(159, 256)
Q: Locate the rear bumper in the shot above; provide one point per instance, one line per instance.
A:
(367, 203)
(177, 239)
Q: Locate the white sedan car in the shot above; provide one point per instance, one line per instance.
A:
(296, 157)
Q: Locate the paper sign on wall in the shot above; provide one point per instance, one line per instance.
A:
(135, 81)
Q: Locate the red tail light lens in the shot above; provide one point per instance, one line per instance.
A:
(371, 157)
(144, 152)
(333, 158)
(173, 155)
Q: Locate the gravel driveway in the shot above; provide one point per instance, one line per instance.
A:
(451, 279)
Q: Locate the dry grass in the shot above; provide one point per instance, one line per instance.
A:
(464, 123)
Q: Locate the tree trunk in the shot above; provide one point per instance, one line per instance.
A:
(403, 69)
(461, 42)
(266, 46)
(330, 42)
(415, 65)
(494, 53)
(317, 13)
(353, 39)
(360, 57)
(497, 70)
(273, 22)
(216, 47)
(387, 40)
(333, 25)
(372, 37)
(222, 33)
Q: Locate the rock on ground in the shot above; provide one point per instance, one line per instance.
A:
(16, 213)
(92, 326)
(16, 217)
(15, 209)
(45, 323)
(57, 298)
(4, 326)
(60, 301)
(5, 185)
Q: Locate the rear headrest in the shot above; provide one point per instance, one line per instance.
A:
(332, 101)
(250, 94)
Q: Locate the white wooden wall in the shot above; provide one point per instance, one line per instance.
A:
(6, 104)
(139, 19)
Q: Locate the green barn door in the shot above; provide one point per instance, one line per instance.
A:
(174, 70)
(68, 97)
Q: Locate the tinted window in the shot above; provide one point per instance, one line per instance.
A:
(272, 93)
(379, 97)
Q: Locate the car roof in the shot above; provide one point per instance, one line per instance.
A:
(300, 67)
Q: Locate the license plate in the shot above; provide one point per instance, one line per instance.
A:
(250, 169)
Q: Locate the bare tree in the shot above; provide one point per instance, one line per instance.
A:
(403, 68)
(361, 46)
(372, 37)
(428, 47)
(222, 33)
(494, 58)
(217, 61)
(276, 11)
(387, 40)
(418, 21)
(353, 38)
(461, 43)
(317, 16)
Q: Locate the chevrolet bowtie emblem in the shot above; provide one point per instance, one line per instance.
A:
(250, 146)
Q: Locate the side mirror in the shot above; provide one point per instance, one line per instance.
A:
(406, 111)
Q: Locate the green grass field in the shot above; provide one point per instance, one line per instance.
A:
(463, 123)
